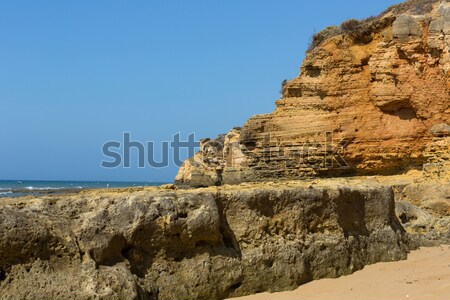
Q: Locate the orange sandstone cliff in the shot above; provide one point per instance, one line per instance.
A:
(372, 97)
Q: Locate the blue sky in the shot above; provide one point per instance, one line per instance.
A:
(76, 74)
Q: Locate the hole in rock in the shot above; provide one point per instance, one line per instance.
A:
(182, 215)
(405, 218)
(235, 286)
(400, 109)
(405, 113)
(250, 146)
(294, 92)
(313, 71)
(365, 61)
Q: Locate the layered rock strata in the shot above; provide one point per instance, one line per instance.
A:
(364, 103)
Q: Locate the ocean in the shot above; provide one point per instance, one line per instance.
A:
(18, 188)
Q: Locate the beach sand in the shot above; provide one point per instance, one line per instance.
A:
(424, 275)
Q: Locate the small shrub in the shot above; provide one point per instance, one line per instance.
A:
(350, 25)
(359, 31)
(283, 83)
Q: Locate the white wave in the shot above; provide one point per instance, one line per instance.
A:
(5, 193)
(32, 188)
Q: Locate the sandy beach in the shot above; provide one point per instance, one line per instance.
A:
(424, 275)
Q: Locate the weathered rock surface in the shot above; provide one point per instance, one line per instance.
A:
(365, 103)
(193, 244)
(423, 205)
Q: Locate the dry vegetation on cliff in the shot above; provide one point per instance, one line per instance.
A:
(413, 7)
(361, 31)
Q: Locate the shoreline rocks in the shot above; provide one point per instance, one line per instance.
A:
(194, 244)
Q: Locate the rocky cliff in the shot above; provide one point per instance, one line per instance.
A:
(370, 99)
(208, 243)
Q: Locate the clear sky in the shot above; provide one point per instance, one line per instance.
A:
(76, 74)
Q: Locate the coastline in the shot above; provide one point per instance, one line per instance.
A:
(37, 188)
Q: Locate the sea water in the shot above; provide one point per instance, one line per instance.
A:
(17, 188)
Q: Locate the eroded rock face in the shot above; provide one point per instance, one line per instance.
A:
(423, 205)
(203, 244)
(356, 108)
